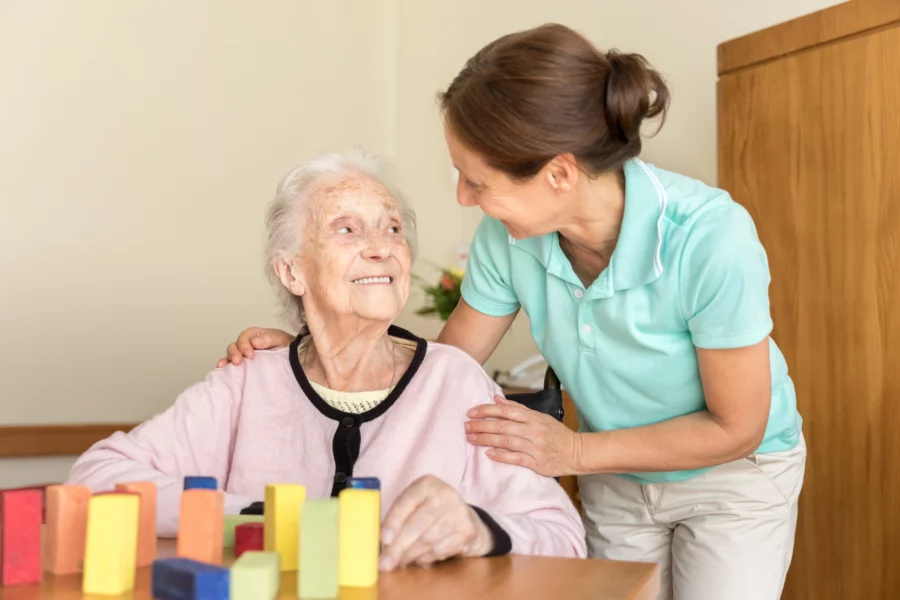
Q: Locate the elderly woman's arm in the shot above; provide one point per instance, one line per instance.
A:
(193, 437)
(533, 510)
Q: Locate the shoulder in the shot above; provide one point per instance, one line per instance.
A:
(460, 372)
(701, 216)
(266, 365)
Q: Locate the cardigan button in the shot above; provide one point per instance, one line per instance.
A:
(340, 477)
(348, 422)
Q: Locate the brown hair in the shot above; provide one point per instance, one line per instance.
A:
(530, 96)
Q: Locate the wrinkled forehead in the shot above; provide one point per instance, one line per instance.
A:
(347, 192)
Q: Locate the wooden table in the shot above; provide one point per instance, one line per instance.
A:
(508, 577)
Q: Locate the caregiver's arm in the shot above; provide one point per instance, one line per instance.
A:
(473, 332)
(736, 383)
(192, 437)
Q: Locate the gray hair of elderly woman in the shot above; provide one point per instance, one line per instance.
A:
(288, 212)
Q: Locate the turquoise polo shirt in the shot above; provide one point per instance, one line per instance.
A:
(688, 272)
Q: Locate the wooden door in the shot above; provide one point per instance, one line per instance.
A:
(810, 144)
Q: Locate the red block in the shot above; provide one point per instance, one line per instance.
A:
(21, 513)
(248, 536)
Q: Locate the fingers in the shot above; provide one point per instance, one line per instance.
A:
(244, 345)
(500, 426)
(520, 459)
(404, 506)
(412, 541)
(505, 409)
(501, 440)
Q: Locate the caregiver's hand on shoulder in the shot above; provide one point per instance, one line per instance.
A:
(430, 522)
(520, 436)
(259, 338)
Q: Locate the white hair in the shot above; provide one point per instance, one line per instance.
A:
(288, 211)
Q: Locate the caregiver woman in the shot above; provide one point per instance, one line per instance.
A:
(647, 293)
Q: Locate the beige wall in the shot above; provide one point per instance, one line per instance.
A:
(139, 142)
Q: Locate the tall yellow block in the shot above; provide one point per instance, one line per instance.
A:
(111, 544)
(360, 536)
(281, 522)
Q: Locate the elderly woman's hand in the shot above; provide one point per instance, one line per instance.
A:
(430, 522)
(520, 436)
(259, 338)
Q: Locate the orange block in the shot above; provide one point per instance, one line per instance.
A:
(200, 525)
(66, 526)
(146, 552)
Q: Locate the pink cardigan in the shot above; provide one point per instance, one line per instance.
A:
(261, 422)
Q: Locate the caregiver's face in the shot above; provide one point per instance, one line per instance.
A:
(356, 261)
(526, 209)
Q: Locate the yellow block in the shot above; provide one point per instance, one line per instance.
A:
(281, 522)
(110, 553)
(360, 537)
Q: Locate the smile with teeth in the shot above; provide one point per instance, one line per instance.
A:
(368, 280)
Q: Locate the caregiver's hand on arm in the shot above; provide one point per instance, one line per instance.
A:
(430, 522)
(259, 338)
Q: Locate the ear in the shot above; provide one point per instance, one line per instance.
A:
(291, 277)
(562, 173)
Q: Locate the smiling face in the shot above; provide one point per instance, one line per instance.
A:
(355, 262)
(527, 209)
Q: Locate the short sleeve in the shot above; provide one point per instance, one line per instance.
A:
(487, 286)
(724, 280)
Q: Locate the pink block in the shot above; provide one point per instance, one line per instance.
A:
(21, 513)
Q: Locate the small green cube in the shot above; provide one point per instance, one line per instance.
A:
(256, 576)
(232, 521)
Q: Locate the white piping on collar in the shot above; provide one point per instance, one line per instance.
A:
(663, 200)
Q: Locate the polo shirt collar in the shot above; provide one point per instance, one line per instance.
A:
(636, 259)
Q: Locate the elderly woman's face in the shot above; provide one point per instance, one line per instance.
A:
(356, 261)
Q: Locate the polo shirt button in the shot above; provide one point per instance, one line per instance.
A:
(348, 422)
(579, 293)
(585, 329)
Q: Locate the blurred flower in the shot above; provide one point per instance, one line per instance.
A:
(443, 297)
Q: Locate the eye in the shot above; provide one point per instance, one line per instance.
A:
(472, 185)
(345, 229)
(394, 229)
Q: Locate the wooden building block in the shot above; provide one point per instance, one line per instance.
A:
(359, 537)
(364, 483)
(196, 482)
(249, 537)
(200, 524)
(256, 576)
(232, 521)
(110, 553)
(282, 522)
(66, 512)
(318, 576)
(146, 491)
(186, 579)
(20, 536)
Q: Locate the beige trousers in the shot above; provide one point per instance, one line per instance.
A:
(725, 535)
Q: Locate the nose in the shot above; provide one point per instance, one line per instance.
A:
(464, 196)
(376, 247)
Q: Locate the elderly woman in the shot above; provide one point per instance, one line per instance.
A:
(353, 395)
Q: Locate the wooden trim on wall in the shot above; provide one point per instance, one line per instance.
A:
(822, 27)
(54, 440)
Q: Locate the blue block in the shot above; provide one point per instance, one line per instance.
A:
(201, 483)
(186, 579)
(364, 483)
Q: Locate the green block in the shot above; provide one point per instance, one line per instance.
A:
(318, 573)
(256, 576)
(232, 521)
